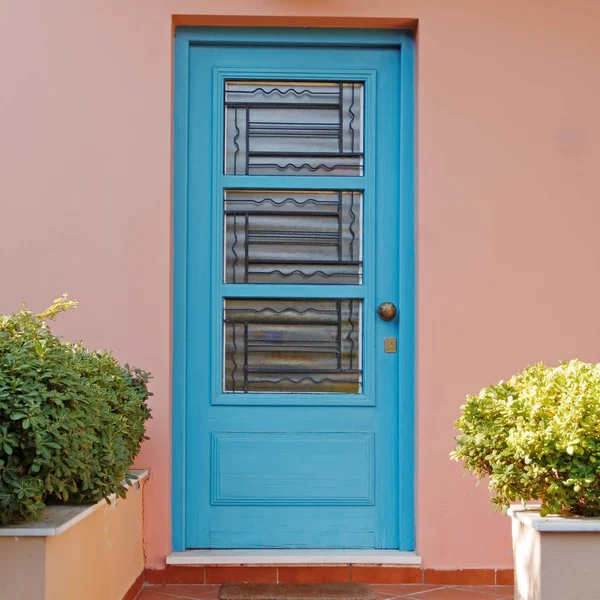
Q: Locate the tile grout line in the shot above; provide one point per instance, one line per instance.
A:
(405, 595)
(437, 589)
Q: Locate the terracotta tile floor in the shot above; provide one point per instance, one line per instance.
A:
(384, 592)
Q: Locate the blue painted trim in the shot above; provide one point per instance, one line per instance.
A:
(259, 182)
(265, 290)
(406, 431)
(291, 36)
(325, 37)
(365, 497)
(257, 399)
(314, 74)
(366, 183)
(217, 189)
(180, 150)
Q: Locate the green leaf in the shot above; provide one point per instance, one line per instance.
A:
(71, 420)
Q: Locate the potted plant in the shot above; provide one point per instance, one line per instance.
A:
(71, 422)
(537, 437)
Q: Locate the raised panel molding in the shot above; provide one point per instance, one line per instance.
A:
(292, 469)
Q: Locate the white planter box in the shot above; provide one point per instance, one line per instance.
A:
(556, 558)
(75, 552)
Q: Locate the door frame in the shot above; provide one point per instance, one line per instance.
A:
(394, 38)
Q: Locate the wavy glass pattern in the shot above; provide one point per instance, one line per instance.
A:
(291, 345)
(293, 237)
(294, 128)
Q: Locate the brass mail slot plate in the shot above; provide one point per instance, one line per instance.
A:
(390, 345)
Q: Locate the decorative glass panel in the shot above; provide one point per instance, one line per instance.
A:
(293, 128)
(291, 345)
(293, 237)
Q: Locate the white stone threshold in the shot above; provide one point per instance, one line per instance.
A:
(57, 519)
(293, 557)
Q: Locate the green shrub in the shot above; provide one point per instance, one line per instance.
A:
(71, 420)
(537, 437)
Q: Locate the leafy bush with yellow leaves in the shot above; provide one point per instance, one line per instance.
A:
(537, 437)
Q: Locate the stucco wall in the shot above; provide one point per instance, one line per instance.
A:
(22, 567)
(101, 556)
(508, 180)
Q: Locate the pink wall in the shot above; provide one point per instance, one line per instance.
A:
(508, 211)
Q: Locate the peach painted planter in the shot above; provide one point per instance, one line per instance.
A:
(556, 558)
(76, 552)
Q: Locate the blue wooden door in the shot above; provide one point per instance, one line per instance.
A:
(290, 422)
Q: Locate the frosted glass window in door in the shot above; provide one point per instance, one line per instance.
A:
(293, 237)
(294, 128)
(292, 345)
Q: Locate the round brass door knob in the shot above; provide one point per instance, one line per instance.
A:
(386, 311)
